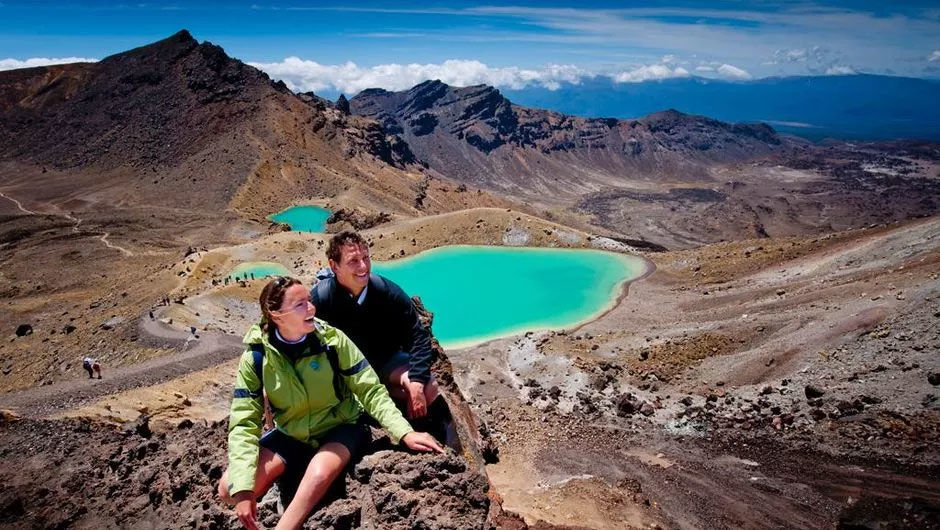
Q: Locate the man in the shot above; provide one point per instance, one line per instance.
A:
(381, 320)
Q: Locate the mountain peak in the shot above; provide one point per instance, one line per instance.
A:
(172, 47)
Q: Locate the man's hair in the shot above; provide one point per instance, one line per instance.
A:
(334, 250)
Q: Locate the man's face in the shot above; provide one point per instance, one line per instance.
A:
(354, 267)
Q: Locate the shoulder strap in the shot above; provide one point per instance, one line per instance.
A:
(379, 282)
(316, 346)
(324, 291)
(257, 358)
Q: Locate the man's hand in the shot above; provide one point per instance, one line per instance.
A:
(246, 508)
(422, 441)
(417, 404)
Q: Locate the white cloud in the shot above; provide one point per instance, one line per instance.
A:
(12, 64)
(733, 72)
(935, 56)
(303, 75)
(840, 70)
(704, 68)
(650, 73)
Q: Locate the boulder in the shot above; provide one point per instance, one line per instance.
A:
(813, 392)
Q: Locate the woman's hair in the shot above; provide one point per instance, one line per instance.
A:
(272, 296)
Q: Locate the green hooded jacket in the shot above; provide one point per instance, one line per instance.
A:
(303, 399)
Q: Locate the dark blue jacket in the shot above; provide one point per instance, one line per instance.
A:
(386, 323)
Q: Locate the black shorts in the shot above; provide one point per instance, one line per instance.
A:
(297, 455)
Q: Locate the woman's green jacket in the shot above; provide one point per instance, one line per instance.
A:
(303, 398)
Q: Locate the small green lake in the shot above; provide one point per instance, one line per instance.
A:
(303, 218)
(478, 293)
(259, 269)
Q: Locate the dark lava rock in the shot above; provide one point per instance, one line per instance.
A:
(342, 104)
(24, 329)
(554, 392)
(687, 401)
(817, 414)
(813, 392)
(879, 512)
(141, 426)
(934, 378)
(627, 405)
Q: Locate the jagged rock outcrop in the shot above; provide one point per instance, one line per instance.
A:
(342, 104)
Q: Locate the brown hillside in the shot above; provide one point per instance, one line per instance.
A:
(179, 123)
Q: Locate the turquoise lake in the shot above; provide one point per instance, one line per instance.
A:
(259, 268)
(478, 293)
(303, 218)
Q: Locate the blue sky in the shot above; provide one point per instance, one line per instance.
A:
(348, 46)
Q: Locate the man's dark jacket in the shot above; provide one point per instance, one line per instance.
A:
(386, 323)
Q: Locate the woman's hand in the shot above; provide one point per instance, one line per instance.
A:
(246, 508)
(422, 441)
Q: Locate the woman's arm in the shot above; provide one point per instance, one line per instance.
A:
(363, 381)
(244, 428)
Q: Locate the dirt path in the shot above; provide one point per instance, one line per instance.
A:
(103, 237)
(18, 204)
(194, 354)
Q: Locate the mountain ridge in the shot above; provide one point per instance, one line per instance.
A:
(477, 135)
(181, 123)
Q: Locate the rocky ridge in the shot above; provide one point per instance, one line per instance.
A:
(476, 135)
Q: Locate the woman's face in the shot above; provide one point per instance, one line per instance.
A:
(295, 316)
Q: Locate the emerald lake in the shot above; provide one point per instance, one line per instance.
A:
(303, 218)
(478, 293)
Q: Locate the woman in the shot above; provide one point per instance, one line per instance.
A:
(317, 383)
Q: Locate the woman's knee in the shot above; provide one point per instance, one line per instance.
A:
(328, 463)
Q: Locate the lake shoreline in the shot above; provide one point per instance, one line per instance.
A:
(648, 269)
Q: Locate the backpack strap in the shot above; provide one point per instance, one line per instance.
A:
(316, 347)
(324, 293)
(378, 281)
(257, 358)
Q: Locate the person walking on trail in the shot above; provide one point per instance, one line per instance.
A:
(382, 320)
(318, 384)
(92, 366)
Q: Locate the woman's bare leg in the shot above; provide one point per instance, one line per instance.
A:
(270, 467)
(324, 467)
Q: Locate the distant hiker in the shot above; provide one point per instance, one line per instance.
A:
(382, 320)
(192, 330)
(252, 276)
(92, 366)
(318, 384)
